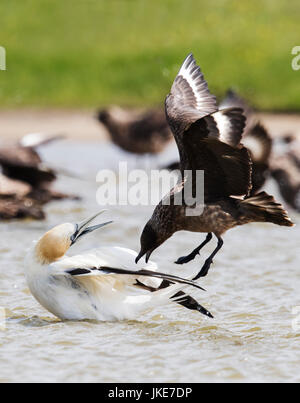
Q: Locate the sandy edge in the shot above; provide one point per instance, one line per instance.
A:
(81, 125)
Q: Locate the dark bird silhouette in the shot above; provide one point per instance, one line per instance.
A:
(15, 202)
(255, 138)
(233, 100)
(292, 148)
(283, 166)
(11, 187)
(15, 208)
(208, 140)
(142, 133)
(23, 163)
(173, 166)
(285, 171)
(259, 143)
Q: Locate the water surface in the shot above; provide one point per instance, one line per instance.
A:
(252, 289)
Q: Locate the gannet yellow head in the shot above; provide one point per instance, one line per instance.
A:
(56, 242)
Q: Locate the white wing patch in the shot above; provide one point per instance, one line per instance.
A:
(223, 123)
(230, 124)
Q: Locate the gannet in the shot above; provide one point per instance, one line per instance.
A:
(102, 284)
(142, 133)
(195, 121)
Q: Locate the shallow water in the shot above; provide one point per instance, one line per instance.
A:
(252, 290)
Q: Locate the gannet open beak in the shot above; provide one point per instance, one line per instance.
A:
(83, 229)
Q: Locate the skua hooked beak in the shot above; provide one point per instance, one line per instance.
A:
(139, 257)
(148, 254)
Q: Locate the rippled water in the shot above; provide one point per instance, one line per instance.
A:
(251, 290)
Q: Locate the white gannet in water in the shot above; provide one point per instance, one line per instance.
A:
(102, 284)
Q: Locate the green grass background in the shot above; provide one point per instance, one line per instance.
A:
(87, 53)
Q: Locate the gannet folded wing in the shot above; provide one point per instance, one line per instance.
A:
(116, 292)
(103, 262)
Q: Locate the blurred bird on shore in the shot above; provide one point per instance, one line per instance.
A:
(137, 132)
(279, 159)
(15, 202)
(12, 187)
(292, 146)
(233, 100)
(23, 163)
(285, 170)
(19, 208)
(26, 182)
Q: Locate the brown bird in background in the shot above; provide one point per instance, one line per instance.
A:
(14, 208)
(292, 148)
(15, 202)
(208, 140)
(22, 162)
(259, 143)
(279, 159)
(25, 182)
(139, 133)
(286, 173)
(25, 164)
(233, 100)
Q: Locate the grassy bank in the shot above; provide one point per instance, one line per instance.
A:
(86, 53)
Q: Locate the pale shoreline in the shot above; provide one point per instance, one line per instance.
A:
(81, 124)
